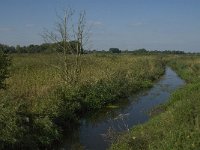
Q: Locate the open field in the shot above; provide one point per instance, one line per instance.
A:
(178, 127)
(38, 103)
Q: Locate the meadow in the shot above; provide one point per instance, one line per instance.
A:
(178, 126)
(38, 103)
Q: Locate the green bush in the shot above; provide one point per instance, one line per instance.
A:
(4, 64)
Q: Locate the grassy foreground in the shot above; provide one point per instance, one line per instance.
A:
(37, 104)
(179, 126)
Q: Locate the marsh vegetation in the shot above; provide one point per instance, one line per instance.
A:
(38, 104)
(178, 126)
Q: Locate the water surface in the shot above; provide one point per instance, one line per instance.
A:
(130, 112)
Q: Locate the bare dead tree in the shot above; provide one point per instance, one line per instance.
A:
(65, 33)
(82, 36)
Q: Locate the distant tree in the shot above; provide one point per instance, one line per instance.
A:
(18, 48)
(7, 49)
(114, 50)
(46, 48)
(4, 64)
(3, 48)
(140, 51)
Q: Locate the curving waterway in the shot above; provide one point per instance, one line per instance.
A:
(91, 134)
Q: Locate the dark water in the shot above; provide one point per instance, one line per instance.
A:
(125, 114)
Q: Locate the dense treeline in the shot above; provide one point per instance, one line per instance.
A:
(144, 51)
(52, 47)
(43, 48)
(26, 49)
(140, 51)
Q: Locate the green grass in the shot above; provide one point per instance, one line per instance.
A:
(178, 127)
(38, 103)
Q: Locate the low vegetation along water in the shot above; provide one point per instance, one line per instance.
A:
(37, 107)
(178, 126)
(98, 129)
(39, 104)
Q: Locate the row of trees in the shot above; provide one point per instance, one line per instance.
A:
(68, 37)
(144, 51)
(43, 48)
(72, 48)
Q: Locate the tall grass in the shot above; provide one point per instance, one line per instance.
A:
(178, 127)
(38, 103)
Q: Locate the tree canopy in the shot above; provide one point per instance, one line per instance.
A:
(114, 50)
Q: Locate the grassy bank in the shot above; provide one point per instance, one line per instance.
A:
(38, 103)
(179, 126)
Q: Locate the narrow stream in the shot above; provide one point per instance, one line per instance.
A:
(126, 114)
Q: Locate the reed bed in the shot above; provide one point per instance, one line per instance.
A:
(178, 127)
(38, 104)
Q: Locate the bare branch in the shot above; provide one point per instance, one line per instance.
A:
(69, 38)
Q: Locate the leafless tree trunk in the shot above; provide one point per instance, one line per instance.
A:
(67, 31)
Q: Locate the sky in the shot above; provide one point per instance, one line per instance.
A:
(124, 24)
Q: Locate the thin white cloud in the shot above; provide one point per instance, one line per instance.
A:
(135, 24)
(6, 29)
(96, 23)
(29, 25)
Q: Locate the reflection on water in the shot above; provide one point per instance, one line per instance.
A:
(125, 114)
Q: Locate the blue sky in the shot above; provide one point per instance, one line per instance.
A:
(126, 24)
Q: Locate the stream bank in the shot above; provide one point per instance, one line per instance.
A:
(121, 116)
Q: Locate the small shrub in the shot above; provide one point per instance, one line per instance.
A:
(4, 64)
